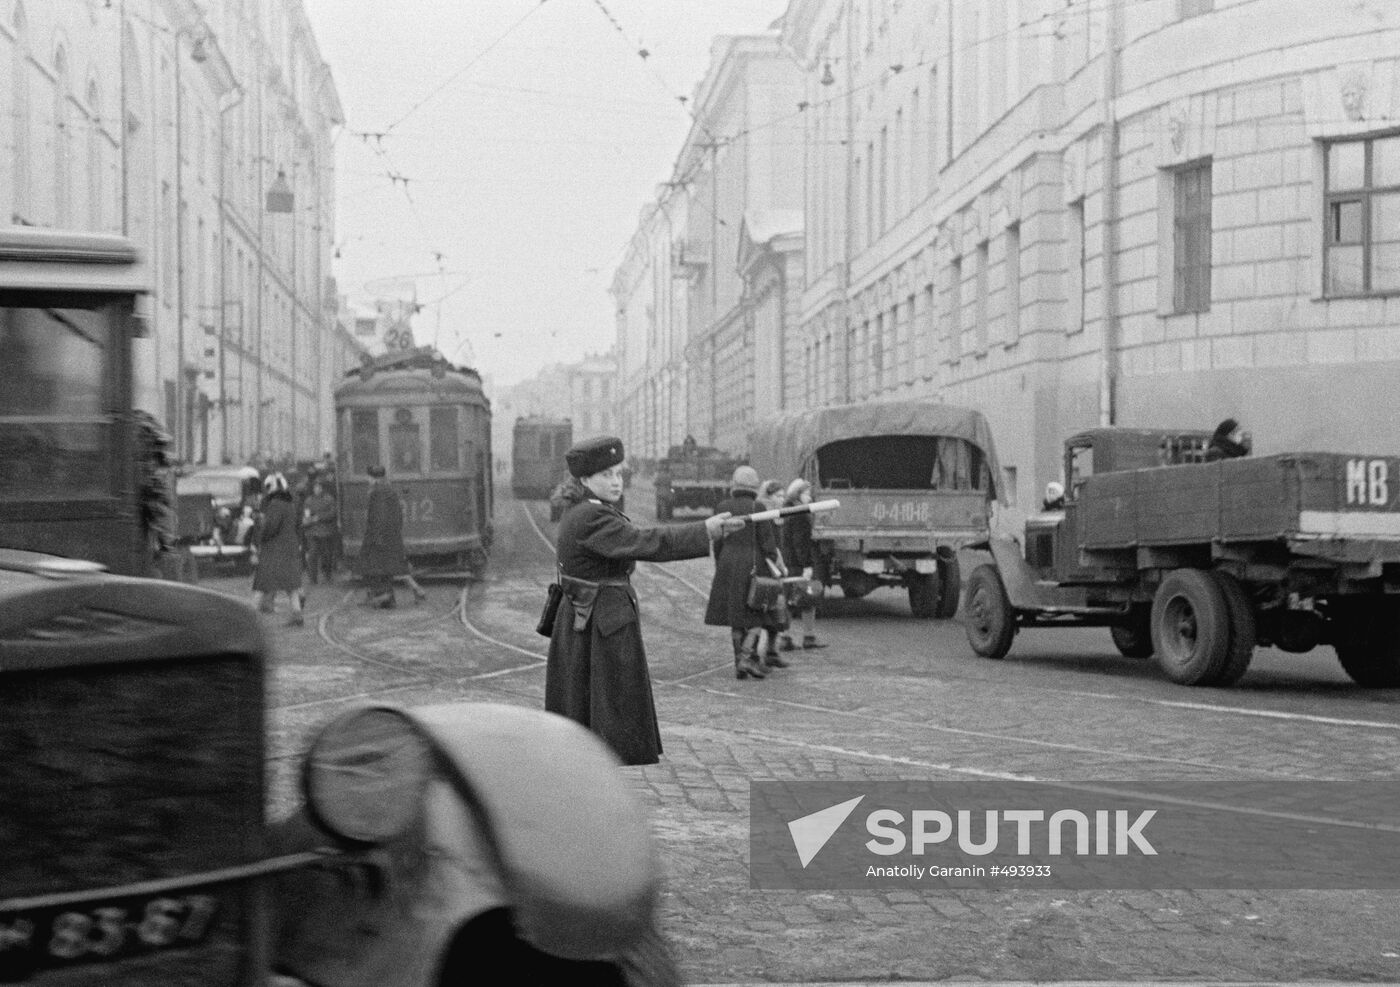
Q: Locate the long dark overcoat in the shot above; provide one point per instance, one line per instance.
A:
(382, 552)
(598, 676)
(734, 561)
(279, 548)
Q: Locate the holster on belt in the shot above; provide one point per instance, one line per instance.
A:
(583, 594)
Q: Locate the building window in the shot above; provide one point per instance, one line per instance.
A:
(1011, 303)
(870, 214)
(1191, 239)
(1074, 265)
(1191, 8)
(933, 132)
(884, 179)
(955, 309)
(1363, 216)
(984, 252)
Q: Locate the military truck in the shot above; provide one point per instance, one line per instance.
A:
(1200, 562)
(915, 481)
(692, 477)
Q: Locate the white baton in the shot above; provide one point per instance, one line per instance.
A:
(820, 507)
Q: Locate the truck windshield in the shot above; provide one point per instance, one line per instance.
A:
(55, 374)
(902, 462)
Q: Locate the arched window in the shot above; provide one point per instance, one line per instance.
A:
(62, 152)
(20, 107)
(94, 157)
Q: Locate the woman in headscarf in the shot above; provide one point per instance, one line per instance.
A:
(279, 550)
(597, 672)
(737, 557)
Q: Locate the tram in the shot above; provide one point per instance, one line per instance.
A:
(70, 442)
(428, 423)
(135, 848)
(537, 455)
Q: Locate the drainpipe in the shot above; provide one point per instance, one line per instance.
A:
(122, 131)
(181, 423)
(238, 95)
(849, 238)
(1108, 362)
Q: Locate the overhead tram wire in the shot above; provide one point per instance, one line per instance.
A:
(472, 61)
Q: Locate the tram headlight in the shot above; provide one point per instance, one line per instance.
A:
(365, 773)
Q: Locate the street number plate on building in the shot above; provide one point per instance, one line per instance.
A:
(103, 931)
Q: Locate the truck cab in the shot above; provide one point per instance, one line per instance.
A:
(1054, 538)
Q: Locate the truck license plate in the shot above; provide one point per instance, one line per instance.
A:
(901, 512)
(102, 931)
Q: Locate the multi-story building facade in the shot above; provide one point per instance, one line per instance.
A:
(701, 343)
(1137, 213)
(203, 132)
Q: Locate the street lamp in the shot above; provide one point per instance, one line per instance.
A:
(280, 197)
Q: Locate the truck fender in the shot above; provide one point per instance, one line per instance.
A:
(521, 810)
(1017, 576)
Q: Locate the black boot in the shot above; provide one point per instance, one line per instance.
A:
(748, 665)
(773, 660)
(745, 663)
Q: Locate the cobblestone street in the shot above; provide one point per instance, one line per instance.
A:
(892, 698)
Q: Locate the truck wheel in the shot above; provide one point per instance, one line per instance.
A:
(949, 584)
(991, 623)
(923, 594)
(1190, 627)
(1134, 639)
(1243, 633)
(1369, 649)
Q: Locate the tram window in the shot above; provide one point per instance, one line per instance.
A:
(53, 377)
(405, 452)
(442, 439)
(364, 439)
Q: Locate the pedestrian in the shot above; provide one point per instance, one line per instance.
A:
(597, 671)
(1054, 496)
(244, 525)
(738, 556)
(799, 557)
(382, 557)
(1227, 442)
(770, 498)
(279, 550)
(319, 522)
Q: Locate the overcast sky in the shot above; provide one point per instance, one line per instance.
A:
(530, 134)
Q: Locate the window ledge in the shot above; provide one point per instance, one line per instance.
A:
(1360, 296)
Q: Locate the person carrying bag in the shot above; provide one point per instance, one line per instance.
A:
(737, 559)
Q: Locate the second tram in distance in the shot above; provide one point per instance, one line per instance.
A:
(428, 423)
(537, 455)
